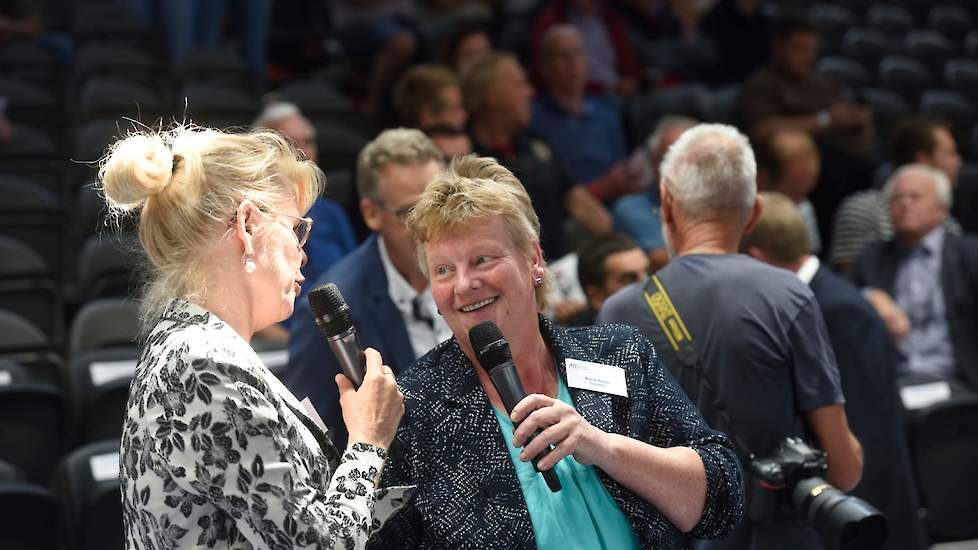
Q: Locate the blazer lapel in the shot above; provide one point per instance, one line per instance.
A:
(389, 325)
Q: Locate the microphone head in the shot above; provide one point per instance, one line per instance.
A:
(329, 309)
(490, 347)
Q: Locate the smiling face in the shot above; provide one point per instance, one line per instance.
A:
(277, 279)
(480, 274)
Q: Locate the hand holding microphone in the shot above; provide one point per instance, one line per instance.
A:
(495, 357)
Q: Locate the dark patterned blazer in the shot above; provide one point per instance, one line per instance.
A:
(468, 494)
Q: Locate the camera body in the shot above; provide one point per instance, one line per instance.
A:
(790, 481)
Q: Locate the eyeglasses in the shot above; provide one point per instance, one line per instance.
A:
(301, 229)
(401, 213)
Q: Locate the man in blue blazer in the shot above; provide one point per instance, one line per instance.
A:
(929, 275)
(389, 299)
(866, 358)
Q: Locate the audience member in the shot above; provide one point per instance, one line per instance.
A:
(429, 95)
(788, 94)
(637, 215)
(740, 34)
(928, 275)
(497, 95)
(215, 450)
(463, 47)
(332, 235)
(762, 349)
(864, 217)
(19, 19)
(383, 32)
(611, 62)
(867, 360)
(585, 131)
(388, 295)
(646, 472)
(788, 162)
(605, 265)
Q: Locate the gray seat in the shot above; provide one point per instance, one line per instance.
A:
(113, 98)
(890, 19)
(906, 76)
(32, 433)
(91, 505)
(29, 514)
(108, 266)
(929, 46)
(118, 61)
(216, 105)
(961, 75)
(104, 323)
(845, 71)
(868, 46)
(98, 383)
(887, 106)
(951, 20)
(953, 107)
(831, 21)
(26, 288)
(338, 146)
(214, 66)
(36, 217)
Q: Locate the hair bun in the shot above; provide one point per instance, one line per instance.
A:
(138, 167)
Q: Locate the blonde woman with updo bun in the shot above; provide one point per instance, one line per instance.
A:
(215, 450)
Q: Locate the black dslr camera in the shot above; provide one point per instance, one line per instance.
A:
(792, 479)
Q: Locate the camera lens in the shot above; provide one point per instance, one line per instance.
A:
(843, 522)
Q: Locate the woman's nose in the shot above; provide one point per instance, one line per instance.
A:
(466, 281)
(303, 258)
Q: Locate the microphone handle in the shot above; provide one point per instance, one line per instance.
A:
(510, 389)
(349, 354)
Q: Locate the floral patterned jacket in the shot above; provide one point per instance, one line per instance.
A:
(216, 451)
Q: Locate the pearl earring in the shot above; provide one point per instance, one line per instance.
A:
(249, 264)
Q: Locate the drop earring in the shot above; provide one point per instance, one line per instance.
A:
(249, 264)
(537, 281)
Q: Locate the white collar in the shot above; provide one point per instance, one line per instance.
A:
(808, 268)
(401, 292)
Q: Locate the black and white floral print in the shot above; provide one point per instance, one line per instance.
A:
(217, 452)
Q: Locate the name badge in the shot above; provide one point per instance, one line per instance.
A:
(585, 375)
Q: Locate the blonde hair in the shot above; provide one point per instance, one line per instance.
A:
(781, 232)
(475, 188)
(397, 145)
(187, 183)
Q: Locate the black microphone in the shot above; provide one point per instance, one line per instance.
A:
(495, 357)
(333, 318)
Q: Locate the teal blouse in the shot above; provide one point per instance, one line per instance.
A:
(582, 515)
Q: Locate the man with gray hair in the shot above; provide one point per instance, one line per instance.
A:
(930, 274)
(762, 348)
(389, 297)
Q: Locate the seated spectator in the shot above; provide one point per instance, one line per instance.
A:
(611, 62)
(864, 217)
(740, 34)
(788, 94)
(429, 95)
(637, 215)
(605, 265)
(497, 96)
(788, 162)
(927, 275)
(332, 235)
(452, 142)
(463, 47)
(866, 358)
(384, 32)
(585, 132)
(389, 297)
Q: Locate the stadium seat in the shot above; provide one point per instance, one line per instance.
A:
(213, 66)
(108, 22)
(27, 289)
(107, 267)
(216, 105)
(32, 433)
(846, 71)
(29, 513)
(951, 20)
(104, 323)
(945, 452)
(33, 105)
(905, 76)
(929, 46)
(868, 46)
(953, 107)
(34, 155)
(91, 505)
(113, 98)
(691, 100)
(890, 19)
(338, 146)
(971, 44)
(888, 108)
(28, 60)
(831, 21)
(36, 217)
(961, 75)
(92, 140)
(12, 372)
(966, 197)
(24, 343)
(99, 387)
(120, 62)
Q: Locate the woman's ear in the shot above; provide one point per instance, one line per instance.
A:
(244, 224)
(536, 258)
